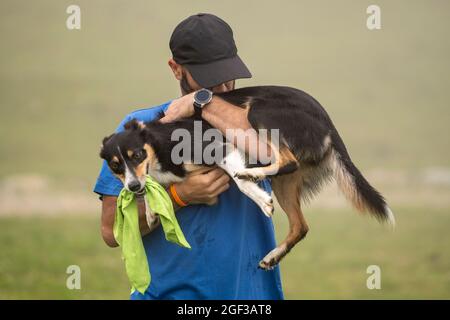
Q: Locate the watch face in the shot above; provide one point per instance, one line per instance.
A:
(203, 96)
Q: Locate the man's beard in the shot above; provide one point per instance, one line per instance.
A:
(184, 84)
(186, 88)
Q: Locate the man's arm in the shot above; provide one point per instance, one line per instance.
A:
(221, 115)
(109, 204)
(200, 187)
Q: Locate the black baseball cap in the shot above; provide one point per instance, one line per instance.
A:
(204, 44)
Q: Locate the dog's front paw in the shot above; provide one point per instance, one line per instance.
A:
(250, 175)
(267, 207)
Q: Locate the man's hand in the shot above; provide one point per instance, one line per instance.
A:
(109, 204)
(180, 108)
(203, 186)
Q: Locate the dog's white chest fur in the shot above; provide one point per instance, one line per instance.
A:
(163, 177)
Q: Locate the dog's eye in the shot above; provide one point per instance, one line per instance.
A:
(114, 166)
(138, 155)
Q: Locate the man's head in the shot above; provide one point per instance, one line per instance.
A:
(204, 54)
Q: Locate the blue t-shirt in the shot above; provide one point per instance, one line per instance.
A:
(228, 240)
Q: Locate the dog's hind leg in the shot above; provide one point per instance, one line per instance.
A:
(283, 162)
(287, 189)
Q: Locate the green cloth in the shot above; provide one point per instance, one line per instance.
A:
(128, 235)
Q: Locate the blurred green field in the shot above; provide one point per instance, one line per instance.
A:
(387, 92)
(331, 263)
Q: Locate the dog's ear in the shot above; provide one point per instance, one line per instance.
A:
(102, 153)
(145, 133)
(133, 124)
(102, 147)
(106, 139)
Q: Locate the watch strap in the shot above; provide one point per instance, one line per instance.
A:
(197, 110)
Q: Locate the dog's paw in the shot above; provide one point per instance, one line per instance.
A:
(268, 208)
(249, 175)
(267, 265)
(272, 259)
(267, 204)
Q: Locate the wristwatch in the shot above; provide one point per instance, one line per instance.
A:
(201, 98)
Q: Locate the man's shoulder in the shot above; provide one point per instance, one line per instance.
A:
(144, 114)
(147, 114)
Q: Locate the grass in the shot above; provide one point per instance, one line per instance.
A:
(330, 263)
(37, 251)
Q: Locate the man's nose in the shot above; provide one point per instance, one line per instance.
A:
(134, 186)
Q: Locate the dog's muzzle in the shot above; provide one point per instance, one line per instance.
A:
(134, 186)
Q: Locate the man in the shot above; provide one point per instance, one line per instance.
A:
(227, 231)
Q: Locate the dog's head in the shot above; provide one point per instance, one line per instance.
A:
(129, 154)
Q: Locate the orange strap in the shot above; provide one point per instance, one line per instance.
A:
(176, 197)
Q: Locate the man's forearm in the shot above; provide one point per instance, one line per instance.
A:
(224, 115)
(227, 117)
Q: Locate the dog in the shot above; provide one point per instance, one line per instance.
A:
(309, 154)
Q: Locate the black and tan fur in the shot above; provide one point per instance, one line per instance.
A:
(310, 153)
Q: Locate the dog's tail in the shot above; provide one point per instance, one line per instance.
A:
(354, 186)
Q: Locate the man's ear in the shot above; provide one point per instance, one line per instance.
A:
(177, 69)
(133, 124)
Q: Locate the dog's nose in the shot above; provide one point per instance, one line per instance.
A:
(134, 186)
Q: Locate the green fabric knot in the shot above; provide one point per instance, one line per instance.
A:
(128, 235)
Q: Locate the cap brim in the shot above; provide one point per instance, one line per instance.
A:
(217, 72)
